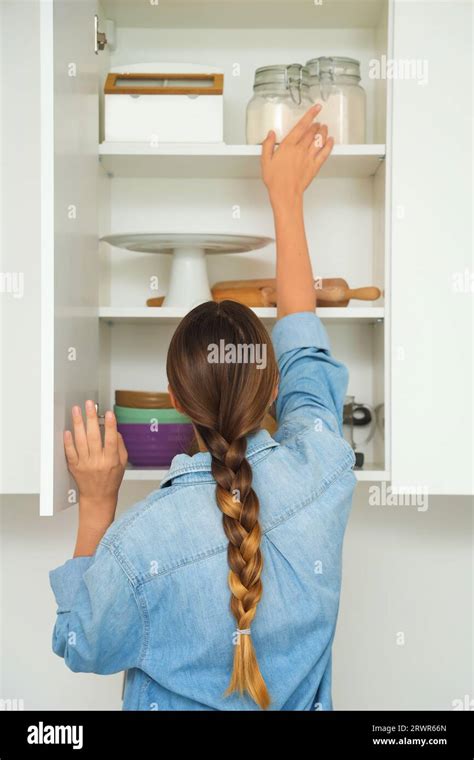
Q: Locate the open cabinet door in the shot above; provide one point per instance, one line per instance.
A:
(69, 276)
(432, 267)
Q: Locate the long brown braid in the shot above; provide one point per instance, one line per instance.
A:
(227, 402)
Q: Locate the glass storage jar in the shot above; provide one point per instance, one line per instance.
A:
(281, 97)
(335, 84)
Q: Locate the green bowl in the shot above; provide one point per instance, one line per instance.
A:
(126, 414)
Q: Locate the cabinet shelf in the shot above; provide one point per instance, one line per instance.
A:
(142, 315)
(372, 473)
(213, 161)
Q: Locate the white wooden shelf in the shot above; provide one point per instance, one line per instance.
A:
(142, 315)
(223, 161)
(144, 473)
(371, 473)
(244, 14)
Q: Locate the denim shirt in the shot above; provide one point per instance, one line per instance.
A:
(154, 601)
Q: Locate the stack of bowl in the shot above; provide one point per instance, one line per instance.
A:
(153, 432)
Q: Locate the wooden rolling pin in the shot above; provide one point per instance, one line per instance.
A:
(333, 292)
(247, 296)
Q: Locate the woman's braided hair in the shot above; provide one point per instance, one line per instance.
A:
(228, 400)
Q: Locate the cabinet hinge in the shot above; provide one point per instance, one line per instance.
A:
(100, 39)
(99, 415)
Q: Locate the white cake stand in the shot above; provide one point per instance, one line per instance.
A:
(189, 283)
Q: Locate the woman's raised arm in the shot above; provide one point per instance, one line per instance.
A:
(287, 171)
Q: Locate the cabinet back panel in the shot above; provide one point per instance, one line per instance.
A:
(339, 218)
(246, 13)
(134, 358)
(239, 52)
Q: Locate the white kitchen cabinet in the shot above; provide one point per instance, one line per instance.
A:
(432, 250)
(19, 254)
(69, 260)
(94, 296)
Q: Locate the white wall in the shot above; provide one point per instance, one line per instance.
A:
(404, 571)
(408, 572)
(30, 547)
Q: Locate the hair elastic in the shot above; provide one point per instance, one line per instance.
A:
(245, 631)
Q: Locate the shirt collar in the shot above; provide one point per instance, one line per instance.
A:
(186, 467)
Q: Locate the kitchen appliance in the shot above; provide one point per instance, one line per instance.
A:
(164, 103)
(357, 415)
(188, 284)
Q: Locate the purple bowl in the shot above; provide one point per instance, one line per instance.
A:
(155, 448)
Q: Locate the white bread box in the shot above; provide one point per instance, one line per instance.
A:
(164, 103)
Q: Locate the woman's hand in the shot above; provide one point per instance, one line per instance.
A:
(97, 469)
(289, 170)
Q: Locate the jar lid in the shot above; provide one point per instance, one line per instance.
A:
(334, 66)
(283, 75)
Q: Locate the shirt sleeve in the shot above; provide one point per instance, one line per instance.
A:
(99, 625)
(312, 383)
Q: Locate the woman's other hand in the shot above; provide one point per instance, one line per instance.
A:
(288, 170)
(97, 469)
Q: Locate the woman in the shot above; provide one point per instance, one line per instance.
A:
(252, 519)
